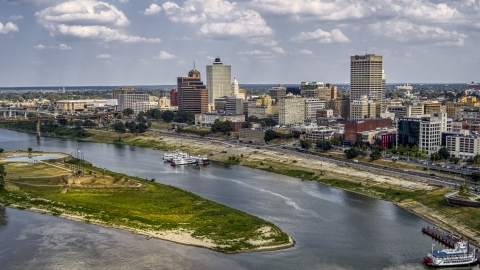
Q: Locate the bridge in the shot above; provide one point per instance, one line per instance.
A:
(48, 116)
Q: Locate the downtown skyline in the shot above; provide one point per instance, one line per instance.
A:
(122, 42)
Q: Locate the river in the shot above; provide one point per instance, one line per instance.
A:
(333, 229)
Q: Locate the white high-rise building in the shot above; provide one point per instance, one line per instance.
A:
(236, 90)
(219, 76)
(367, 78)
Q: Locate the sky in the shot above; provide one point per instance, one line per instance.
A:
(149, 42)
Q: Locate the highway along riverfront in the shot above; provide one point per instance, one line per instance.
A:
(333, 229)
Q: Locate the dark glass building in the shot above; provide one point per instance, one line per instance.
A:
(408, 132)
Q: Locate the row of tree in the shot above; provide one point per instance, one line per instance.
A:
(272, 135)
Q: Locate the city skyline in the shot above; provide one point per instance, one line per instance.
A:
(122, 42)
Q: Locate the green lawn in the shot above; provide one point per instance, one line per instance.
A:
(154, 207)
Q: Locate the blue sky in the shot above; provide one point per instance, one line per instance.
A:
(140, 42)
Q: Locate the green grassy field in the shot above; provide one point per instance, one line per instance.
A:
(154, 207)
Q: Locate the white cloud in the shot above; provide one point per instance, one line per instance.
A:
(347, 10)
(303, 51)
(407, 32)
(164, 56)
(88, 19)
(102, 33)
(279, 50)
(334, 36)
(220, 19)
(9, 27)
(254, 52)
(62, 47)
(104, 56)
(16, 17)
(153, 9)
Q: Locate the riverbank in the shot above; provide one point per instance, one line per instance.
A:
(417, 197)
(143, 207)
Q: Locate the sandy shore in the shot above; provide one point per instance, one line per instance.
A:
(179, 236)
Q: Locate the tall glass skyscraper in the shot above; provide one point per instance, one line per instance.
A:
(219, 77)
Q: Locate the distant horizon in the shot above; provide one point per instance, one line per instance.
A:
(154, 85)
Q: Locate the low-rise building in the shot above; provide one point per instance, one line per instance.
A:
(354, 127)
(312, 106)
(79, 105)
(209, 118)
(262, 107)
(463, 146)
(469, 114)
(363, 108)
(320, 134)
(425, 132)
(252, 135)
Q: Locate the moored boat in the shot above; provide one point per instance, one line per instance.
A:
(458, 256)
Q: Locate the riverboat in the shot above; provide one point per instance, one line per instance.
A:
(458, 256)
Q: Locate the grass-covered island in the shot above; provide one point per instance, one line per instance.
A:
(142, 206)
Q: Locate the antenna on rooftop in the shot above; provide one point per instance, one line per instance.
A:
(366, 51)
(193, 64)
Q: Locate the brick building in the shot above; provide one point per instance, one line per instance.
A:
(353, 127)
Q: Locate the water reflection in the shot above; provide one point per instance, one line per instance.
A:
(3, 217)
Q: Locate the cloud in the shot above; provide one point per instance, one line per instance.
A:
(407, 32)
(163, 55)
(278, 50)
(220, 19)
(303, 51)
(9, 27)
(347, 10)
(153, 9)
(88, 19)
(16, 17)
(62, 47)
(254, 52)
(104, 56)
(335, 36)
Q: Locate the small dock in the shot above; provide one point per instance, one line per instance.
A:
(448, 239)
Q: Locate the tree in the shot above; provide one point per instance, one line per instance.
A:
(167, 116)
(132, 127)
(31, 115)
(414, 150)
(376, 153)
(119, 126)
(187, 117)
(435, 156)
(1, 150)
(128, 111)
(270, 135)
(253, 118)
(141, 128)
(149, 124)
(29, 150)
(141, 117)
(323, 145)
(401, 149)
(222, 126)
(3, 174)
(296, 134)
(351, 153)
(247, 124)
(306, 144)
(454, 160)
(62, 122)
(443, 152)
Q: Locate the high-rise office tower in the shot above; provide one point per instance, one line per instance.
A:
(219, 77)
(367, 78)
(192, 94)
